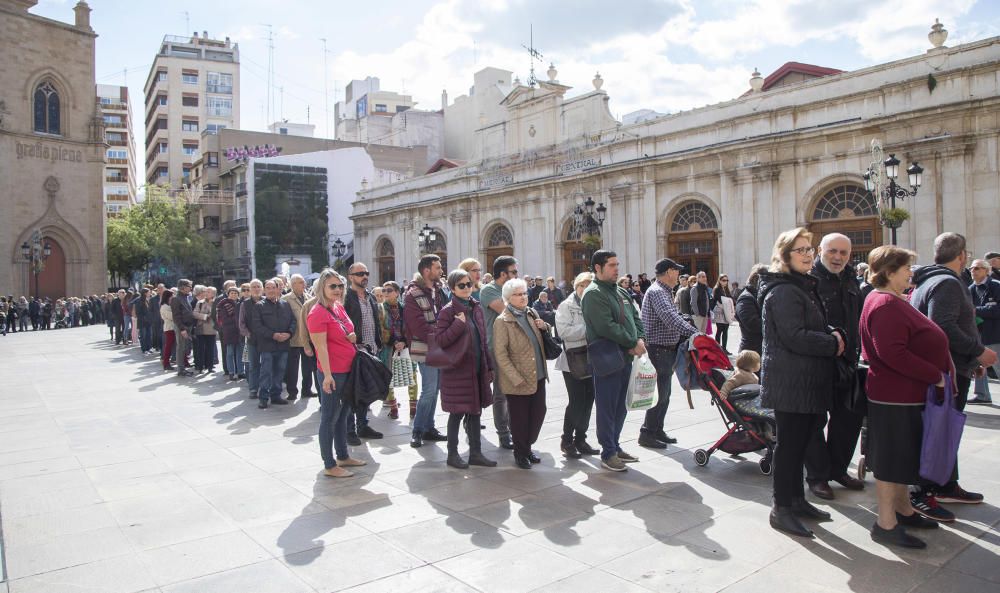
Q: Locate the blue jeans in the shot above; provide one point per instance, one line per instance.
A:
(234, 358)
(145, 337)
(610, 394)
(427, 404)
(334, 413)
(128, 328)
(272, 373)
(663, 359)
(253, 367)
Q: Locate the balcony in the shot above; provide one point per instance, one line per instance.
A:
(241, 190)
(220, 112)
(231, 227)
(210, 234)
(222, 89)
(116, 125)
(116, 179)
(117, 161)
(200, 197)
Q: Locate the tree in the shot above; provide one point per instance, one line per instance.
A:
(156, 230)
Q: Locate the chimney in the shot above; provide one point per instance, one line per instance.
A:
(444, 100)
(204, 34)
(82, 11)
(195, 34)
(227, 41)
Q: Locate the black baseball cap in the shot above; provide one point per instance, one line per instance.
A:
(667, 264)
(991, 255)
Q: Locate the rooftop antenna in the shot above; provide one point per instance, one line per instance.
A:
(281, 90)
(270, 72)
(307, 115)
(326, 89)
(187, 22)
(534, 53)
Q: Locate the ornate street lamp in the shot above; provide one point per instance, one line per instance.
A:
(36, 253)
(426, 238)
(590, 221)
(880, 182)
(339, 248)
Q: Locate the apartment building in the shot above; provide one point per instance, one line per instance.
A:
(193, 86)
(120, 167)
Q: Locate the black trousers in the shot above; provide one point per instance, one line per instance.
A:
(828, 459)
(297, 358)
(794, 433)
(964, 383)
(527, 414)
(578, 411)
(722, 334)
(472, 428)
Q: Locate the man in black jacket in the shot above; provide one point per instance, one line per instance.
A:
(273, 325)
(141, 306)
(117, 311)
(839, 291)
(154, 319)
(942, 296)
(362, 308)
(184, 323)
(985, 293)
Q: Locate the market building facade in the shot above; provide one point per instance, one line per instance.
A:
(714, 186)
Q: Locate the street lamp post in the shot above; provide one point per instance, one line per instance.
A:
(880, 181)
(36, 253)
(590, 221)
(426, 238)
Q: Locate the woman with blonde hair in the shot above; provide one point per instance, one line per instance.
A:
(475, 271)
(579, 386)
(797, 371)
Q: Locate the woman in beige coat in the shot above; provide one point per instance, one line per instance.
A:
(520, 357)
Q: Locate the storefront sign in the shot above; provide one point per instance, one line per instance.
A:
(495, 181)
(244, 153)
(578, 165)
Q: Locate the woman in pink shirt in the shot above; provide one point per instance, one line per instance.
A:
(333, 338)
(906, 353)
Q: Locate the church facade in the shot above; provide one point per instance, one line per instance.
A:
(711, 187)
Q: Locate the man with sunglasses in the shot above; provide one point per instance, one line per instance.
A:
(423, 301)
(362, 308)
(491, 297)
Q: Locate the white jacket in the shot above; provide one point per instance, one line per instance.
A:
(571, 328)
(725, 310)
(168, 318)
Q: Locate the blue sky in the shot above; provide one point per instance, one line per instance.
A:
(666, 55)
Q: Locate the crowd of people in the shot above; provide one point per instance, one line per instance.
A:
(42, 314)
(483, 339)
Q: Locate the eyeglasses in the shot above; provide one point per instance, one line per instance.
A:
(463, 285)
(359, 273)
(335, 286)
(804, 250)
(476, 270)
(386, 289)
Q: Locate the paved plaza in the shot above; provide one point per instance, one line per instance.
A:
(116, 477)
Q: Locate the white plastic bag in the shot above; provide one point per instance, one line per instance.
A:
(642, 394)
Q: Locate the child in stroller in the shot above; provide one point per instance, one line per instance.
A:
(749, 426)
(62, 319)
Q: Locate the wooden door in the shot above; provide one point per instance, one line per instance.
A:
(865, 234)
(492, 253)
(574, 260)
(697, 252)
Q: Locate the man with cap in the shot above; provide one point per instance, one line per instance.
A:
(985, 292)
(665, 328)
(536, 289)
(994, 258)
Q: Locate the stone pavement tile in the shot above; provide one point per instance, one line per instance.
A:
(305, 532)
(157, 521)
(423, 579)
(659, 515)
(721, 496)
(606, 490)
(594, 580)
(195, 459)
(143, 486)
(29, 486)
(195, 444)
(947, 581)
(516, 567)
(118, 472)
(361, 489)
(113, 454)
(26, 420)
(216, 474)
(591, 539)
(124, 574)
(527, 513)
(394, 512)
(542, 475)
(766, 581)
(8, 457)
(741, 535)
(46, 501)
(64, 551)
(36, 529)
(346, 564)
(980, 558)
(269, 576)
(459, 496)
(281, 460)
(430, 474)
(38, 468)
(684, 568)
(258, 501)
(445, 537)
(189, 560)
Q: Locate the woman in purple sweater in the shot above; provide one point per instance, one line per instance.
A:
(906, 353)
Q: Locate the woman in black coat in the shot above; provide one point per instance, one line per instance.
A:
(465, 387)
(797, 371)
(748, 312)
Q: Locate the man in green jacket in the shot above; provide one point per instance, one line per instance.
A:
(609, 314)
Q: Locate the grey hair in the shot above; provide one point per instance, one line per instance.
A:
(947, 247)
(256, 282)
(296, 277)
(511, 285)
(454, 276)
(827, 239)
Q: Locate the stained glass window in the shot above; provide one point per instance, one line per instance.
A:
(46, 109)
(500, 237)
(845, 201)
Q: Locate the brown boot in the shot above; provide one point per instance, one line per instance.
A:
(394, 410)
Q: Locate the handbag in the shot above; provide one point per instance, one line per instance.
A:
(550, 346)
(369, 379)
(579, 362)
(606, 357)
(943, 426)
(402, 369)
(446, 358)
(848, 383)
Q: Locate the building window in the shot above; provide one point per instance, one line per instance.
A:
(161, 124)
(401, 108)
(220, 82)
(214, 128)
(47, 109)
(190, 149)
(161, 76)
(694, 216)
(113, 120)
(283, 131)
(220, 107)
(189, 101)
(161, 173)
(189, 126)
(381, 108)
(189, 78)
(114, 137)
(161, 100)
(212, 159)
(211, 223)
(117, 154)
(845, 201)
(186, 175)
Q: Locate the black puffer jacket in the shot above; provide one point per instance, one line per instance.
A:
(797, 363)
(748, 314)
(841, 297)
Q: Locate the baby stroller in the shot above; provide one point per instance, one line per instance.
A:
(62, 320)
(749, 426)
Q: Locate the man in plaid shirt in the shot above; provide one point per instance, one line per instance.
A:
(664, 329)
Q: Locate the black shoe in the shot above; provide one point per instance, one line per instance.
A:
(506, 442)
(802, 508)
(241, 376)
(353, 440)
(821, 490)
(233, 378)
(477, 458)
(783, 519)
(584, 448)
(253, 395)
(662, 436)
(455, 460)
(306, 394)
(896, 536)
(416, 441)
(534, 458)
(916, 521)
(569, 450)
(262, 404)
(280, 401)
(185, 373)
(434, 435)
(367, 432)
(650, 442)
(522, 462)
(292, 397)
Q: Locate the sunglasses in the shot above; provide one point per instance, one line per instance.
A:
(463, 285)
(359, 274)
(335, 286)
